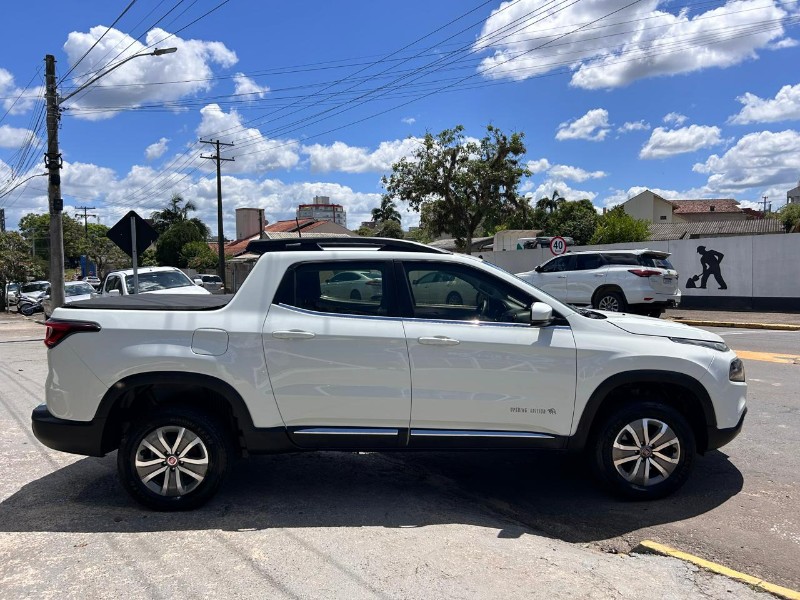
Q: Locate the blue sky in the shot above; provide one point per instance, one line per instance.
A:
(691, 100)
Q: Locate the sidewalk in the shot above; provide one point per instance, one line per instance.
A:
(744, 319)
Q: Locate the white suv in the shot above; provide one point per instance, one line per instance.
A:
(156, 280)
(641, 281)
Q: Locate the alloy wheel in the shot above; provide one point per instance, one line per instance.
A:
(646, 452)
(609, 303)
(172, 461)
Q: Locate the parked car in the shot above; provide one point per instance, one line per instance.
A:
(353, 285)
(12, 294)
(642, 281)
(438, 287)
(212, 283)
(157, 280)
(93, 280)
(73, 291)
(281, 367)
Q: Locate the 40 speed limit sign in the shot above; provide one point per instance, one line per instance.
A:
(558, 246)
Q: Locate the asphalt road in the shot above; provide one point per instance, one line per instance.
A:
(436, 525)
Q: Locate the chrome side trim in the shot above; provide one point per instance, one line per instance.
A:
(346, 431)
(316, 313)
(471, 433)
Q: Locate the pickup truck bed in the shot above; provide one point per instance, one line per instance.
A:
(168, 302)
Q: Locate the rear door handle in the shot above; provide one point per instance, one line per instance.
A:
(562, 276)
(292, 334)
(438, 340)
(599, 274)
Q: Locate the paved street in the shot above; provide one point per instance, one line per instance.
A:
(440, 525)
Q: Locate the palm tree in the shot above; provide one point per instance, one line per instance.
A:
(177, 211)
(386, 212)
(551, 204)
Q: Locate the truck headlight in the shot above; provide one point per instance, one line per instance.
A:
(736, 371)
(718, 346)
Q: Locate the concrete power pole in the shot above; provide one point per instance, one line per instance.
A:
(52, 161)
(220, 236)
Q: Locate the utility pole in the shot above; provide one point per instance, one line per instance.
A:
(764, 202)
(220, 236)
(52, 161)
(85, 218)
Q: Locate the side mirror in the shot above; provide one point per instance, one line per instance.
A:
(538, 268)
(541, 313)
(198, 282)
(113, 292)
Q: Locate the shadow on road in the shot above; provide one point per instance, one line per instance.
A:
(547, 492)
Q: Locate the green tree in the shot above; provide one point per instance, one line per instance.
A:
(789, 215)
(177, 211)
(172, 241)
(460, 182)
(199, 256)
(104, 253)
(390, 229)
(617, 226)
(577, 219)
(387, 211)
(365, 231)
(16, 262)
(36, 231)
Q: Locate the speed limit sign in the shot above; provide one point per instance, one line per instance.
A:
(558, 246)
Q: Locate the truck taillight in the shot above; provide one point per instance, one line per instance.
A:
(58, 330)
(644, 272)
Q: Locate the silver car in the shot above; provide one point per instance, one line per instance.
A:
(73, 291)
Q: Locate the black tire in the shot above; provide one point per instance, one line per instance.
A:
(454, 298)
(213, 447)
(355, 295)
(655, 313)
(611, 301)
(628, 478)
(27, 310)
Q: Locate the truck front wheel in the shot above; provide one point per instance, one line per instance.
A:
(174, 459)
(644, 450)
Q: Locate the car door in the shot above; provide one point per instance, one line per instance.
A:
(481, 373)
(339, 367)
(589, 274)
(553, 276)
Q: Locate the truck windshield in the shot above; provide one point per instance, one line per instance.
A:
(158, 280)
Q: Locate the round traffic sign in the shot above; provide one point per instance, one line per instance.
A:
(558, 245)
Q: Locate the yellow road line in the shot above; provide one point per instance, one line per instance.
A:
(775, 357)
(782, 592)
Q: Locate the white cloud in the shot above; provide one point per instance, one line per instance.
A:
(784, 107)
(16, 100)
(592, 126)
(643, 40)
(554, 183)
(409, 120)
(14, 137)
(675, 118)
(757, 160)
(247, 87)
(188, 70)
(253, 152)
(538, 166)
(669, 142)
(573, 173)
(351, 159)
(634, 126)
(156, 150)
(784, 43)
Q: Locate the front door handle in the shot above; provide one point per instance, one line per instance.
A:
(599, 274)
(292, 334)
(562, 276)
(438, 340)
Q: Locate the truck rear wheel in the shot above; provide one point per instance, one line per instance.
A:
(174, 459)
(644, 450)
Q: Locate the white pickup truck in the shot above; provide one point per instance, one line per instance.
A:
(469, 357)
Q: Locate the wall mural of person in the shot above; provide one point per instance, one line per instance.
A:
(710, 262)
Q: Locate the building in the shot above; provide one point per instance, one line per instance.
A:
(322, 210)
(793, 195)
(249, 221)
(653, 208)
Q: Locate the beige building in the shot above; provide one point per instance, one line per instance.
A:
(653, 208)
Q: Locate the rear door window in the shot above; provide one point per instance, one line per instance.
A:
(340, 287)
(585, 262)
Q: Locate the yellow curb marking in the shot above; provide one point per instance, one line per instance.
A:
(785, 359)
(717, 568)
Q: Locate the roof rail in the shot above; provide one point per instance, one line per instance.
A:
(339, 243)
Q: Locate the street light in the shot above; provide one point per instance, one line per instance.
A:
(52, 160)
